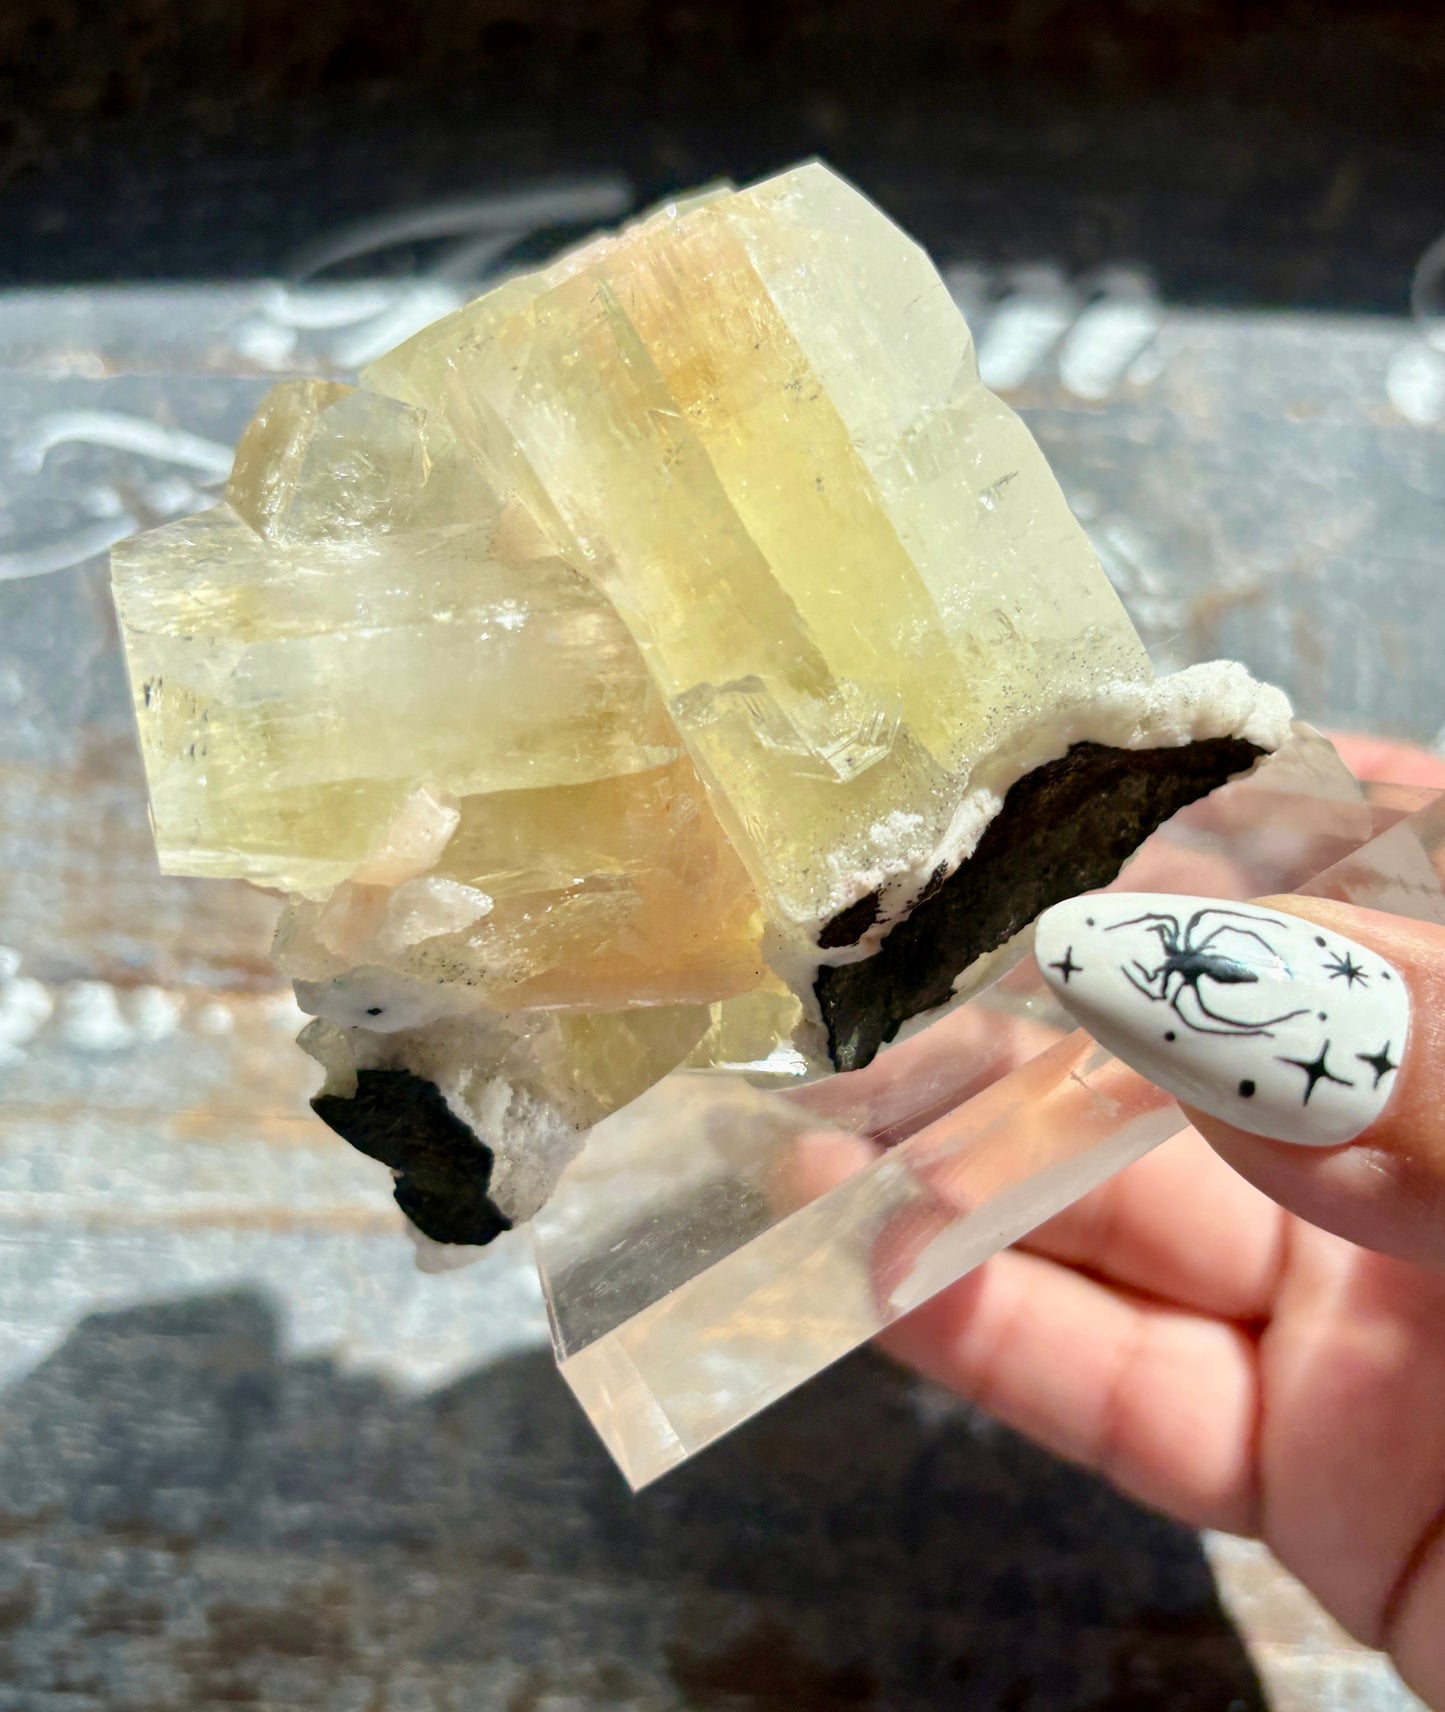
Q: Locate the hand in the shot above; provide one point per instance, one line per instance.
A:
(1219, 1354)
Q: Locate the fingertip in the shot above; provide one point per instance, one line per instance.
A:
(1247, 1012)
(1305, 1038)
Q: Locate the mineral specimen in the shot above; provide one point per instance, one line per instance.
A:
(674, 654)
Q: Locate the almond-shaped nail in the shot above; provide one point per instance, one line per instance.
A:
(1277, 1026)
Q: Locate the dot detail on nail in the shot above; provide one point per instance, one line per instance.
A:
(1246, 1090)
(1169, 1034)
(1318, 940)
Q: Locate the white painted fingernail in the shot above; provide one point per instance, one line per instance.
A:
(1279, 1027)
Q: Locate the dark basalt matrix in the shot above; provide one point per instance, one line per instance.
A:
(1065, 828)
(443, 1170)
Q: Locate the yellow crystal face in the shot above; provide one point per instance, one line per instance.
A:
(367, 656)
(756, 422)
(713, 512)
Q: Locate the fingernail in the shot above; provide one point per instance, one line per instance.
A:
(1277, 1026)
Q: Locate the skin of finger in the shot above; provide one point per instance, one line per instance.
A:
(901, 1246)
(949, 1340)
(1045, 1113)
(1161, 1402)
(1416, 1642)
(1165, 866)
(1352, 1432)
(815, 1163)
(1393, 763)
(1179, 1225)
(1040, 1118)
(1165, 1404)
(1386, 1189)
(1011, 1133)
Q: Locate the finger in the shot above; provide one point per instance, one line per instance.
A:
(1178, 1225)
(980, 1177)
(1306, 1037)
(1172, 865)
(1352, 1446)
(1390, 762)
(816, 1162)
(1162, 1403)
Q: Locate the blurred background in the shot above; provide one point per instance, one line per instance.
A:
(248, 1454)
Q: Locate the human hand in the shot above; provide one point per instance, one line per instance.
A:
(1262, 1356)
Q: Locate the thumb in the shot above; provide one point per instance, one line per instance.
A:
(1304, 1038)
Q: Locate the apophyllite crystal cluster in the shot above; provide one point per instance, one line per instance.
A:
(676, 656)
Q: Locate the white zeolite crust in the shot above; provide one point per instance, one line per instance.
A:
(1216, 699)
(1213, 700)
(535, 1143)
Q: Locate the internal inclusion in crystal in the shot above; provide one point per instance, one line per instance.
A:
(635, 668)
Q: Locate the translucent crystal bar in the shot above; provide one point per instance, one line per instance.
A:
(720, 1241)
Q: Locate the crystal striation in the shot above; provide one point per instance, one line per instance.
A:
(675, 655)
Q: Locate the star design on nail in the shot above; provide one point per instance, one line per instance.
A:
(1344, 967)
(1317, 1070)
(1067, 966)
(1380, 1062)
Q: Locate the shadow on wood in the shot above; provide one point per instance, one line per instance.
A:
(191, 1517)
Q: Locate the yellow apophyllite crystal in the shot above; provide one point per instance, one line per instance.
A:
(758, 425)
(676, 654)
(365, 668)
